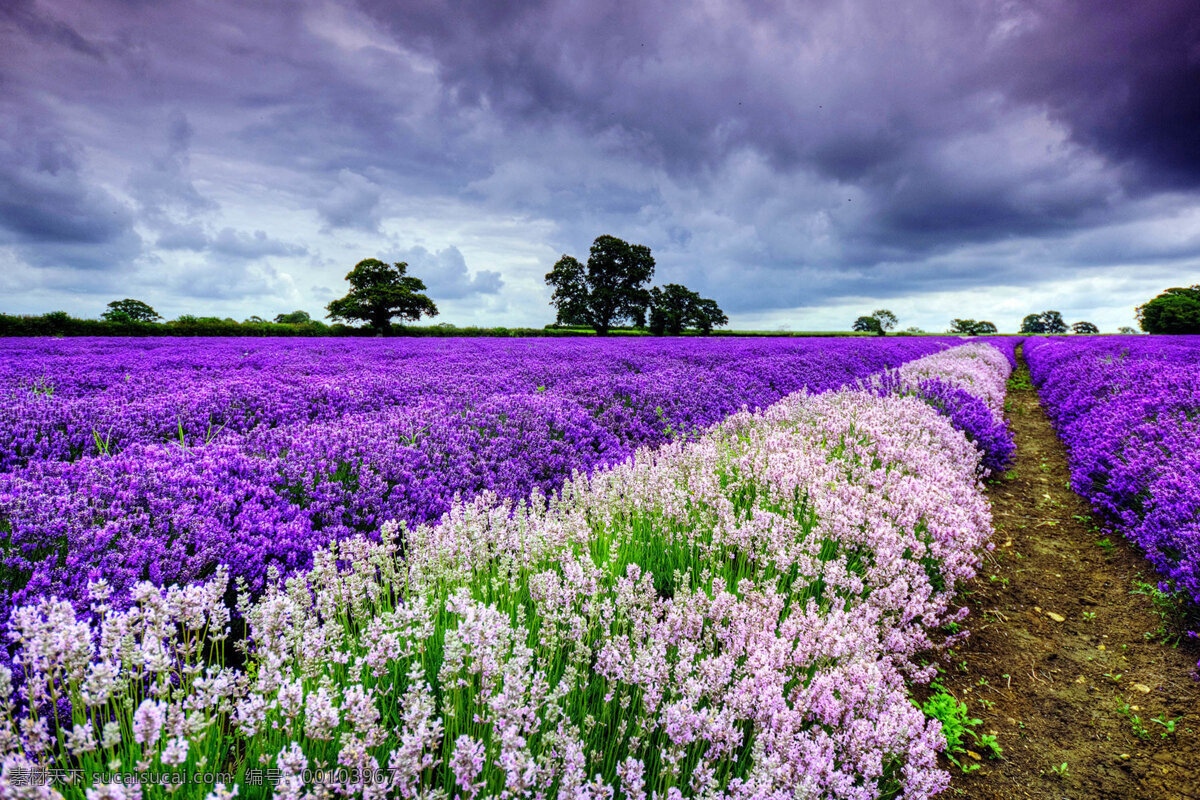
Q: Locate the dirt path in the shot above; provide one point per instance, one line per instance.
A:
(1064, 664)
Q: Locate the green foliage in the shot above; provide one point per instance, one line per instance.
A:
(868, 325)
(880, 321)
(1084, 327)
(1033, 324)
(1053, 322)
(1168, 723)
(1175, 311)
(1019, 381)
(1169, 605)
(1046, 322)
(957, 725)
(606, 292)
(887, 320)
(380, 292)
(295, 318)
(1135, 722)
(129, 310)
(1126, 330)
(971, 327)
(674, 308)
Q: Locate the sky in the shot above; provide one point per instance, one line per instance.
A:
(801, 163)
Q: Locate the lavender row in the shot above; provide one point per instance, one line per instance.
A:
(65, 399)
(739, 615)
(154, 460)
(1128, 410)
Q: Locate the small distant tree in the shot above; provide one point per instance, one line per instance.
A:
(380, 292)
(609, 290)
(709, 315)
(1054, 322)
(887, 320)
(1033, 323)
(913, 329)
(1126, 330)
(255, 320)
(1045, 322)
(129, 310)
(1176, 310)
(1084, 327)
(970, 327)
(294, 318)
(674, 308)
(962, 326)
(868, 325)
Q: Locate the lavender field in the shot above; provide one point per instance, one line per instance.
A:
(153, 460)
(489, 569)
(1128, 410)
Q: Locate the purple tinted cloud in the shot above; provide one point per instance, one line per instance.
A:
(857, 148)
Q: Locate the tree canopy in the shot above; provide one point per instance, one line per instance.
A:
(674, 308)
(1176, 310)
(879, 322)
(1084, 327)
(380, 292)
(1053, 322)
(887, 320)
(609, 290)
(1045, 322)
(295, 318)
(868, 325)
(129, 310)
(972, 327)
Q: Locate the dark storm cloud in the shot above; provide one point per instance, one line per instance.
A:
(52, 211)
(875, 97)
(774, 153)
(44, 27)
(1124, 77)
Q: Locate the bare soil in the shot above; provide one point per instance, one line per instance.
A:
(1076, 674)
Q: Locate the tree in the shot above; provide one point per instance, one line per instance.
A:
(608, 291)
(294, 318)
(1045, 322)
(887, 320)
(379, 292)
(966, 326)
(1126, 330)
(970, 327)
(128, 310)
(674, 308)
(868, 325)
(1084, 327)
(913, 329)
(1174, 311)
(1053, 321)
(709, 315)
(1033, 324)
